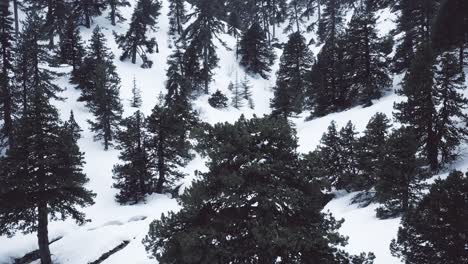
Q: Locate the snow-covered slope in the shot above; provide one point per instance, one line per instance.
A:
(111, 224)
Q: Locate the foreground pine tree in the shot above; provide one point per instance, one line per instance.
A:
(255, 52)
(434, 231)
(253, 206)
(41, 176)
(400, 182)
(135, 41)
(292, 77)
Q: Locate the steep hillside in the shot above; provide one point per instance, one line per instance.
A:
(112, 224)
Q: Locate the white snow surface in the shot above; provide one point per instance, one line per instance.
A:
(111, 223)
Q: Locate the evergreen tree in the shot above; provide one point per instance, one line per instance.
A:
(329, 154)
(85, 10)
(234, 24)
(177, 17)
(237, 96)
(135, 41)
(105, 104)
(30, 57)
(253, 203)
(218, 100)
(114, 14)
(399, 182)
(449, 85)
(136, 95)
(435, 231)
(71, 49)
(331, 21)
(43, 177)
(371, 154)
(419, 110)
(8, 93)
(348, 158)
(134, 178)
(369, 76)
(246, 92)
(73, 127)
(256, 54)
(200, 57)
(292, 77)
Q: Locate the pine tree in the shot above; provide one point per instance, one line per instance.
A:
(135, 41)
(256, 54)
(177, 17)
(85, 10)
(114, 14)
(237, 96)
(105, 104)
(399, 183)
(348, 158)
(247, 91)
(418, 110)
(434, 231)
(331, 21)
(449, 85)
(218, 100)
(43, 174)
(136, 95)
(134, 178)
(73, 127)
(200, 57)
(71, 50)
(369, 76)
(292, 77)
(371, 154)
(8, 93)
(329, 153)
(253, 202)
(31, 55)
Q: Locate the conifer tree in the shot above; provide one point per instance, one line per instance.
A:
(8, 90)
(449, 86)
(114, 14)
(234, 24)
(329, 153)
(136, 95)
(237, 95)
(73, 127)
(371, 154)
(71, 50)
(85, 10)
(177, 17)
(43, 174)
(31, 54)
(256, 54)
(218, 100)
(434, 231)
(419, 110)
(399, 182)
(247, 91)
(331, 21)
(200, 57)
(369, 76)
(292, 77)
(134, 178)
(135, 41)
(253, 204)
(348, 158)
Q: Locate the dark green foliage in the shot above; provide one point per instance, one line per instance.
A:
(448, 94)
(114, 14)
(71, 49)
(366, 54)
(8, 91)
(135, 41)
(435, 230)
(253, 206)
(399, 182)
(419, 110)
(371, 155)
(218, 100)
(292, 78)
(247, 92)
(177, 17)
(100, 85)
(136, 100)
(200, 57)
(234, 24)
(255, 52)
(85, 10)
(42, 176)
(134, 178)
(331, 21)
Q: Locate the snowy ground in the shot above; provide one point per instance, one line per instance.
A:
(110, 223)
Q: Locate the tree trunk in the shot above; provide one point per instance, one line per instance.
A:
(42, 233)
(15, 10)
(134, 53)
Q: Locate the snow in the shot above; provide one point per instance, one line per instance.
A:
(110, 223)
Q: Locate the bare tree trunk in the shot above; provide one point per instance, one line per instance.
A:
(42, 233)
